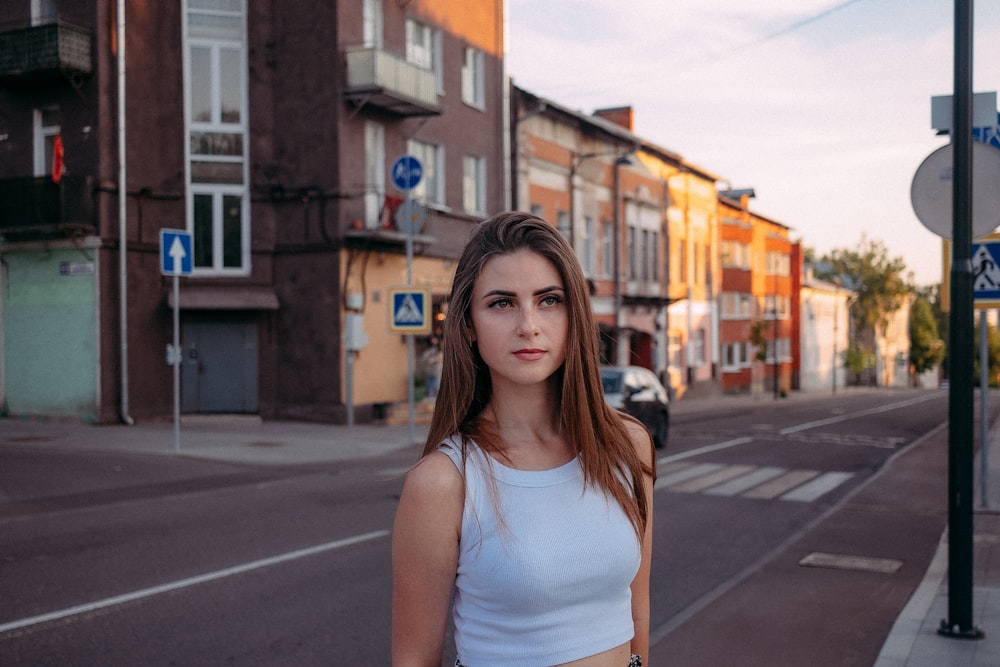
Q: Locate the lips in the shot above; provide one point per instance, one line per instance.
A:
(529, 354)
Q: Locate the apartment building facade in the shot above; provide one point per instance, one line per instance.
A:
(758, 300)
(637, 214)
(267, 133)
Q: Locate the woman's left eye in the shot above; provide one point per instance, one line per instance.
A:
(551, 300)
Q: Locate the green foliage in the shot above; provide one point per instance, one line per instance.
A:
(926, 346)
(992, 356)
(880, 289)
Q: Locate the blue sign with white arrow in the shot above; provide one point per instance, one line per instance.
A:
(176, 257)
(406, 172)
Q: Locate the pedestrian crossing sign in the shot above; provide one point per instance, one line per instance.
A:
(410, 310)
(986, 271)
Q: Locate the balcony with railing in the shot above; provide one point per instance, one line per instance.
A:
(43, 52)
(388, 81)
(37, 208)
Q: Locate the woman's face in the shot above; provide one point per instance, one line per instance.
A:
(520, 319)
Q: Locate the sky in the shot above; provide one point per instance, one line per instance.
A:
(821, 106)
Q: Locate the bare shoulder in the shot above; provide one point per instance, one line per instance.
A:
(434, 476)
(640, 438)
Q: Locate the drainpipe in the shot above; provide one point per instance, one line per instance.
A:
(122, 221)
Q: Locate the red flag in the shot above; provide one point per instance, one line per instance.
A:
(57, 159)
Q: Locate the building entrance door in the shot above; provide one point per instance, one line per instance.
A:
(220, 364)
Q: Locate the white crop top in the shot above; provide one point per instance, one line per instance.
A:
(550, 583)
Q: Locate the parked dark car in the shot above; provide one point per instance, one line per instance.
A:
(636, 391)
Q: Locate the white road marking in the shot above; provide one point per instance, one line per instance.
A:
(746, 482)
(814, 489)
(191, 581)
(861, 413)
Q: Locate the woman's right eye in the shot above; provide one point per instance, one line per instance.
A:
(501, 304)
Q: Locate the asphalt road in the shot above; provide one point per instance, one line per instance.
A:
(118, 559)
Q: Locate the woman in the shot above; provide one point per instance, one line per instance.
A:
(530, 510)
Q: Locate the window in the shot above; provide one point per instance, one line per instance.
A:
(735, 255)
(607, 248)
(778, 264)
(474, 184)
(587, 247)
(371, 17)
(430, 189)
(46, 130)
(537, 210)
(736, 305)
(43, 11)
(698, 348)
(643, 242)
(473, 69)
(374, 173)
(563, 224)
(216, 120)
(423, 49)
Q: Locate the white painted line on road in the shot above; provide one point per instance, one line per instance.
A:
(718, 477)
(191, 581)
(852, 415)
(746, 482)
(825, 483)
(704, 450)
(781, 484)
(686, 474)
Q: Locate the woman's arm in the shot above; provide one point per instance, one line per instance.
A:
(640, 585)
(424, 560)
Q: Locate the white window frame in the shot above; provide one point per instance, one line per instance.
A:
(430, 190)
(44, 137)
(474, 184)
(607, 248)
(372, 23)
(563, 224)
(375, 171)
(423, 49)
(218, 125)
(588, 245)
(43, 11)
(473, 75)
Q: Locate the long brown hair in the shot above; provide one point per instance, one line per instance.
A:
(609, 459)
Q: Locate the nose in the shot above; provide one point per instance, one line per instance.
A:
(528, 322)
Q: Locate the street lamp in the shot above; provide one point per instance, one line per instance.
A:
(620, 161)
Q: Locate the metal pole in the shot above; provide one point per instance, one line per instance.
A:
(616, 218)
(984, 431)
(410, 346)
(176, 361)
(960, 392)
(122, 221)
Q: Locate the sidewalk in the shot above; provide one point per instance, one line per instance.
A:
(913, 641)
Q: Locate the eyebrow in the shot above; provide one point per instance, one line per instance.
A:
(539, 292)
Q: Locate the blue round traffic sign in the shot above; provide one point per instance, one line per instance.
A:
(406, 172)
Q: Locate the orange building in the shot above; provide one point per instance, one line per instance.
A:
(757, 335)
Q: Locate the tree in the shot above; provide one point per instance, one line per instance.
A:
(880, 288)
(926, 346)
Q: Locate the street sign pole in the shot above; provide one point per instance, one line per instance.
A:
(176, 260)
(406, 174)
(176, 360)
(960, 393)
(411, 345)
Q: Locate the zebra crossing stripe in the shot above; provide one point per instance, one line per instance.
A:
(748, 481)
(685, 472)
(713, 479)
(817, 487)
(737, 486)
(781, 485)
